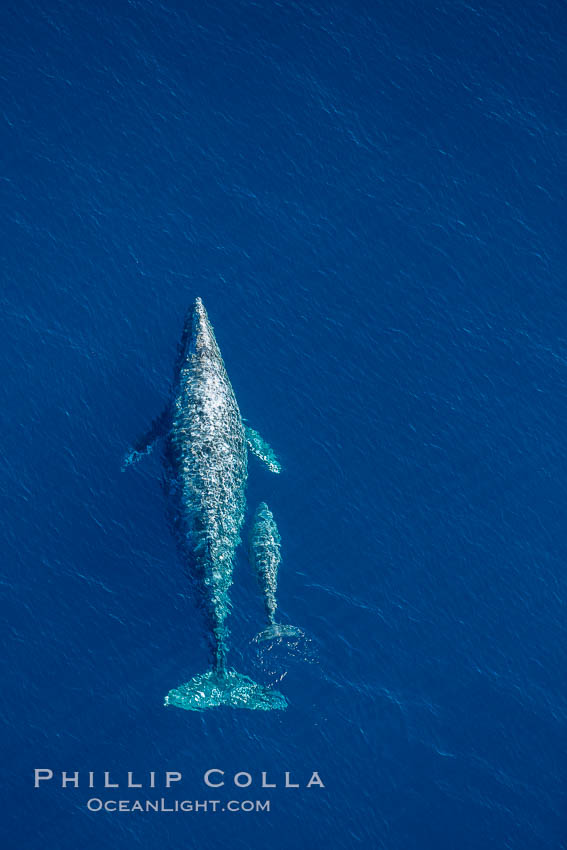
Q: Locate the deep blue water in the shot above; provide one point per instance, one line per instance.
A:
(369, 198)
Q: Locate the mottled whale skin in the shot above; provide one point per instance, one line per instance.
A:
(210, 465)
(206, 461)
(264, 553)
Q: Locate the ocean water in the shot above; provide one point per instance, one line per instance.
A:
(369, 198)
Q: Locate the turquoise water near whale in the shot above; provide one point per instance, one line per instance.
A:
(370, 201)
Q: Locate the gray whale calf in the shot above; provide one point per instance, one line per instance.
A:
(265, 556)
(206, 461)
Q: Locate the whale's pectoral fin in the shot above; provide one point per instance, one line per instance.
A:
(262, 450)
(144, 445)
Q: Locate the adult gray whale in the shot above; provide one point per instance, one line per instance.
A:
(206, 460)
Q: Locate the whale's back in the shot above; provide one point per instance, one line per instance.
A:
(210, 453)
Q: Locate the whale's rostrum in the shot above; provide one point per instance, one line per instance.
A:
(205, 458)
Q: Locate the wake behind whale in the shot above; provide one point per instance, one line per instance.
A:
(206, 460)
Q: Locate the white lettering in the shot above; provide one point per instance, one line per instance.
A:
(265, 783)
(47, 774)
(74, 778)
(247, 780)
(171, 776)
(315, 780)
(208, 781)
(107, 782)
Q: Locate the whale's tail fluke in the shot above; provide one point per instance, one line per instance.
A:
(278, 630)
(224, 687)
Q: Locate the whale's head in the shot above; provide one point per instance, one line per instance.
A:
(199, 308)
(198, 334)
